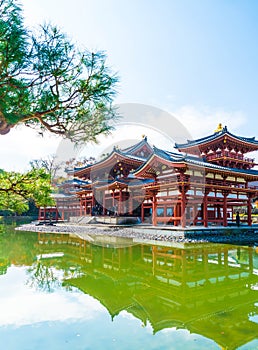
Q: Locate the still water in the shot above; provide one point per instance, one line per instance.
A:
(61, 292)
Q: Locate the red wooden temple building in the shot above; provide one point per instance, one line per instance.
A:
(201, 182)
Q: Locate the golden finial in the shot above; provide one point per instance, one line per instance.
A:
(143, 136)
(219, 128)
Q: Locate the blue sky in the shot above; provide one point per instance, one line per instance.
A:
(194, 59)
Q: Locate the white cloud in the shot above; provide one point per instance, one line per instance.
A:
(203, 121)
(126, 135)
(23, 144)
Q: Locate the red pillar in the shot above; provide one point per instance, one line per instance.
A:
(183, 205)
(104, 203)
(154, 210)
(142, 212)
(225, 212)
(218, 212)
(120, 202)
(205, 210)
(175, 214)
(195, 213)
(93, 202)
(249, 212)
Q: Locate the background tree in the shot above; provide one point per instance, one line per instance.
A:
(50, 164)
(16, 190)
(58, 170)
(49, 84)
(79, 162)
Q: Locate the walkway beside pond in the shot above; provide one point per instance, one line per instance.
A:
(234, 235)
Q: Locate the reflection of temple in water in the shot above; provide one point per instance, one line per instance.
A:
(207, 289)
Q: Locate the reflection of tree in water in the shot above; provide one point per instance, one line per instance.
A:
(42, 276)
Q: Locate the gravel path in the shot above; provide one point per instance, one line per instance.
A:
(139, 232)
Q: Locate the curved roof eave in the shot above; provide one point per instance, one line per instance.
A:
(213, 137)
(107, 158)
(213, 166)
(190, 160)
(138, 145)
(161, 154)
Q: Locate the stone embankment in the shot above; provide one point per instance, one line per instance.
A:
(148, 233)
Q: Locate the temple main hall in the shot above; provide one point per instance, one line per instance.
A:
(199, 182)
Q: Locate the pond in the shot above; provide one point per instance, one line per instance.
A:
(58, 291)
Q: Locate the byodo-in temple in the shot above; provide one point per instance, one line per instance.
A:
(204, 183)
(200, 182)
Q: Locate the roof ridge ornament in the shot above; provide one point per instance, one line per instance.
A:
(116, 148)
(219, 128)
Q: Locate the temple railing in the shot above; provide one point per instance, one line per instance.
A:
(230, 155)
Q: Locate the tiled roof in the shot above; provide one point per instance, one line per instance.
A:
(201, 162)
(215, 136)
(115, 150)
(134, 148)
(181, 158)
(168, 155)
(177, 157)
